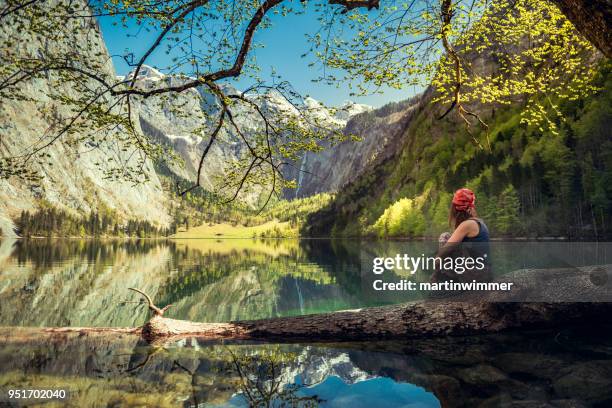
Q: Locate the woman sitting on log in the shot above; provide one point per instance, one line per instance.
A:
(470, 239)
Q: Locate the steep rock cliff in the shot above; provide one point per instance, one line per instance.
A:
(72, 175)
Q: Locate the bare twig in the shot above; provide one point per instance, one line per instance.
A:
(156, 310)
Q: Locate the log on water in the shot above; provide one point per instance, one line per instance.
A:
(406, 321)
(563, 296)
(411, 320)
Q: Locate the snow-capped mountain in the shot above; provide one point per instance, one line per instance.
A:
(313, 365)
(185, 120)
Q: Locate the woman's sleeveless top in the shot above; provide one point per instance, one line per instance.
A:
(483, 232)
(479, 246)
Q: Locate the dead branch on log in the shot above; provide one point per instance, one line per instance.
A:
(156, 310)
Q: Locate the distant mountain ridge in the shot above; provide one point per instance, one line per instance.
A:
(166, 122)
(379, 131)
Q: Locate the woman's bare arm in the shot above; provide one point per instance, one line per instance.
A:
(468, 228)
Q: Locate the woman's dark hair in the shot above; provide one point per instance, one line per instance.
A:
(456, 217)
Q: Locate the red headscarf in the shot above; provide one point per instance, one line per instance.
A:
(464, 199)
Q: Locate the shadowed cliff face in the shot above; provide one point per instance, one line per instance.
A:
(568, 368)
(379, 132)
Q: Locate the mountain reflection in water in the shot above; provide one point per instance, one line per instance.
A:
(570, 368)
(84, 282)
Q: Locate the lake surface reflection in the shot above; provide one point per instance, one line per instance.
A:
(84, 283)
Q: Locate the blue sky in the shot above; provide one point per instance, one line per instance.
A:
(284, 42)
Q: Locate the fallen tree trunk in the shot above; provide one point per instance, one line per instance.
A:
(410, 320)
(419, 319)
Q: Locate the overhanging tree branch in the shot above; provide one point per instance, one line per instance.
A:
(238, 64)
(190, 7)
(447, 13)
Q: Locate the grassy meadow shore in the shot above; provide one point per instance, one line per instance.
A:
(269, 229)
